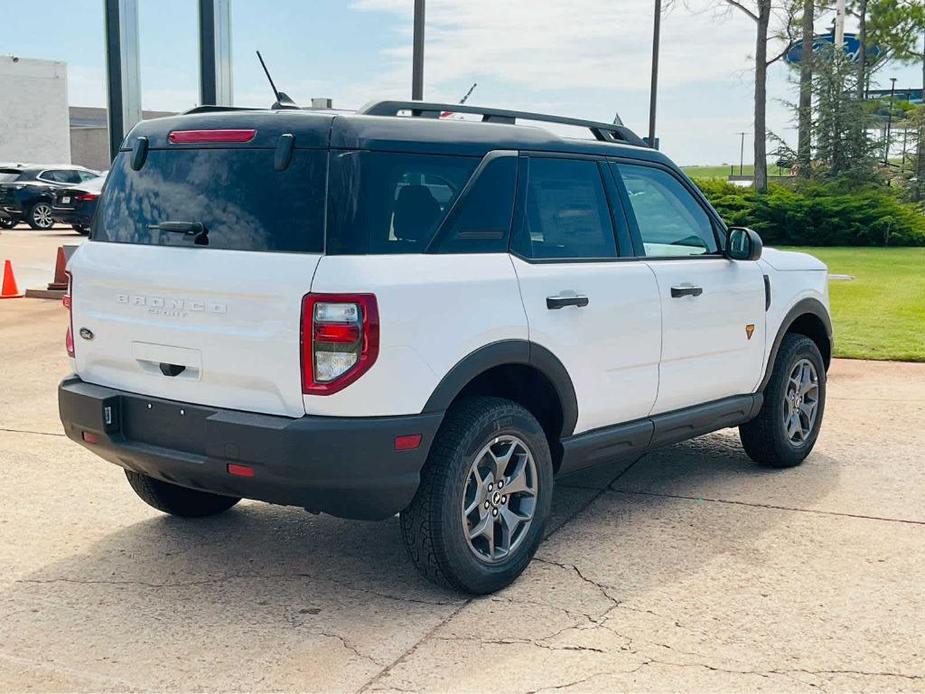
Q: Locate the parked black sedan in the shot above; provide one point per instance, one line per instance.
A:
(76, 205)
(27, 191)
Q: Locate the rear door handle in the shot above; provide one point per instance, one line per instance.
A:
(555, 302)
(685, 290)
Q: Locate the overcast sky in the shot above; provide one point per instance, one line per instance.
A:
(583, 58)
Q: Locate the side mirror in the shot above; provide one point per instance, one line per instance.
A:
(744, 244)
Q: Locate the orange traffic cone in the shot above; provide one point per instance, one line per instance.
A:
(9, 290)
(60, 281)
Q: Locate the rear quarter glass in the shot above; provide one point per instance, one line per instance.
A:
(236, 194)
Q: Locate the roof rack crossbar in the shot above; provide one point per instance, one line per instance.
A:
(605, 132)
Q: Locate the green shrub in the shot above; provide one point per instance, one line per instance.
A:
(818, 214)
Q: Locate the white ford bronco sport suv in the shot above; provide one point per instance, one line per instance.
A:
(388, 312)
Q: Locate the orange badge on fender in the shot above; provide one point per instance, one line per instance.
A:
(749, 329)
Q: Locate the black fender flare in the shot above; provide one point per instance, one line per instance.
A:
(508, 352)
(805, 306)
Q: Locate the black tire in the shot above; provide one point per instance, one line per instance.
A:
(176, 500)
(82, 230)
(39, 216)
(765, 438)
(7, 222)
(433, 528)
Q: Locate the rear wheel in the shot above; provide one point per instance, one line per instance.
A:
(786, 428)
(485, 494)
(40, 216)
(7, 222)
(176, 500)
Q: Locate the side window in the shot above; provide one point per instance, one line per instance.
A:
(482, 219)
(50, 175)
(671, 222)
(565, 211)
(389, 202)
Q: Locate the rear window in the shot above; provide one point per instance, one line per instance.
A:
(232, 199)
(389, 202)
(9, 175)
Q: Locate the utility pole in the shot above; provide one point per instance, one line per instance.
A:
(653, 89)
(417, 54)
(889, 121)
(743, 133)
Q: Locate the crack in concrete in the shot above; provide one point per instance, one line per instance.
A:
(772, 507)
(352, 648)
(36, 433)
(367, 686)
(232, 577)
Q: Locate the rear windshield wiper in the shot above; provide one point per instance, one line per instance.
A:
(188, 228)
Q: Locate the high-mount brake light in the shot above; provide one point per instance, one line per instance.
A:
(186, 137)
(67, 301)
(340, 340)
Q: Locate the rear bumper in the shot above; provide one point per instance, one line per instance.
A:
(65, 216)
(345, 466)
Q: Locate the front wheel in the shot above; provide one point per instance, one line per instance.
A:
(485, 494)
(786, 428)
(176, 500)
(7, 222)
(40, 216)
(81, 229)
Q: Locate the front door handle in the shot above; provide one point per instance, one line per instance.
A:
(685, 290)
(555, 302)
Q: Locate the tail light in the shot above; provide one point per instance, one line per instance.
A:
(340, 340)
(67, 301)
(86, 197)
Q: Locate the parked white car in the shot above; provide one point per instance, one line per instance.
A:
(371, 314)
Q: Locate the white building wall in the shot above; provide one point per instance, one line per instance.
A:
(34, 124)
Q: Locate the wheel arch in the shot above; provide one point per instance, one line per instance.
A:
(807, 317)
(522, 371)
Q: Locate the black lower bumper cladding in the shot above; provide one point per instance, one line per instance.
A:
(345, 466)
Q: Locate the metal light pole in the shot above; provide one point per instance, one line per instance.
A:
(743, 133)
(417, 55)
(653, 90)
(889, 121)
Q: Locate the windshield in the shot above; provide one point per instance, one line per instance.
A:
(235, 196)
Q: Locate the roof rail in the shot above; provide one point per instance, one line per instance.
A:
(605, 132)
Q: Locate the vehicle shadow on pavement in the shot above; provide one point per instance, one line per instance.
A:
(277, 578)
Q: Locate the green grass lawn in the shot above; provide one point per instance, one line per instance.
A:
(721, 171)
(881, 313)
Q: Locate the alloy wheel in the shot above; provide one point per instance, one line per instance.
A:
(801, 402)
(41, 215)
(500, 498)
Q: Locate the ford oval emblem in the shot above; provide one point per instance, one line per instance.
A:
(86, 333)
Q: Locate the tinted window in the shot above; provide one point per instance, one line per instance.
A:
(243, 202)
(86, 175)
(481, 220)
(9, 175)
(566, 213)
(387, 202)
(671, 222)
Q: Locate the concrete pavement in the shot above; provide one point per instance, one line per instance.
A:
(34, 253)
(691, 569)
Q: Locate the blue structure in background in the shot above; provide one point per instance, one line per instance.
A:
(852, 48)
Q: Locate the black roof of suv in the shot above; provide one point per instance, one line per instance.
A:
(370, 129)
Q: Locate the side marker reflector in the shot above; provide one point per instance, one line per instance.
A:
(240, 470)
(89, 437)
(408, 442)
